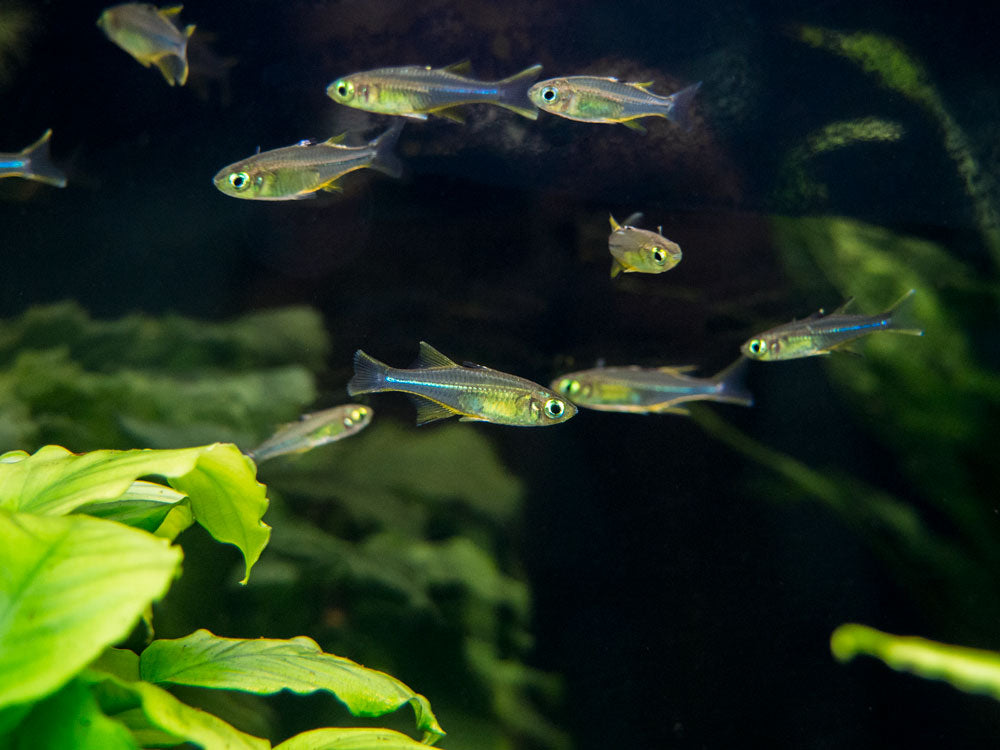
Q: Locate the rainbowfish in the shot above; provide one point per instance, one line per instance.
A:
(819, 333)
(150, 36)
(33, 163)
(298, 171)
(640, 250)
(314, 430)
(652, 390)
(608, 100)
(441, 389)
(414, 91)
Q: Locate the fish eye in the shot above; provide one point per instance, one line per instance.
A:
(345, 89)
(239, 180)
(659, 255)
(550, 93)
(758, 346)
(554, 408)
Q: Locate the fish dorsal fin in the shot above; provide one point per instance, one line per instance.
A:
(634, 126)
(615, 226)
(679, 370)
(335, 139)
(844, 307)
(644, 85)
(431, 357)
(172, 12)
(189, 30)
(475, 365)
(633, 219)
(429, 410)
(462, 67)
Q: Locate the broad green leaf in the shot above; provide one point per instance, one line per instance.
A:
(226, 497)
(144, 505)
(69, 587)
(159, 718)
(269, 666)
(970, 669)
(177, 520)
(70, 719)
(350, 739)
(120, 662)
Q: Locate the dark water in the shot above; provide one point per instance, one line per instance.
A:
(685, 595)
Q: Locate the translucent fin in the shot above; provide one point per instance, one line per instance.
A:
(632, 124)
(39, 164)
(844, 308)
(331, 187)
(901, 319)
(333, 140)
(645, 85)
(429, 410)
(633, 219)
(431, 357)
(385, 160)
(369, 374)
(732, 384)
(669, 409)
(450, 113)
(462, 68)
(678, 370)
(174, 68)
(513, 92)
(172, 12)
(615, 226)
(616, 268)
(680, 108)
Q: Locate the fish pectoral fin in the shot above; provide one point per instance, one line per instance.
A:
(451, 113)
(634, 126)
(431, 357)
(429, 410)
(472, 419)
(616, 268)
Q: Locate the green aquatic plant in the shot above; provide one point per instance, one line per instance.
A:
(897, 69)
(73, 584)
(970, 669)
(17, 25)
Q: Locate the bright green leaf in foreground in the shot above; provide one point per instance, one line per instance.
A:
(226, 497)
(69, 587)
(158, 718)
(969, 669)
(350, 739)
(269, 666)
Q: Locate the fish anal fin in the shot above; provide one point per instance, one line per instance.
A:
(174, 68)
(678, 370)
(332, 187)
(472, 419)
(431, 357)
(451, 113)
(429, 410)
(670, 408)
(633, 125)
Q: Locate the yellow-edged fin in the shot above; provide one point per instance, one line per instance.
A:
(616, 268)
(668, 409)
(644, 85)
(462, 68)
(331, 187)
(450, 113)
(431, 357)
(170, 13)
(429, 410)
(333, 140)
(678, 370)
(633, 125)
(615, 226)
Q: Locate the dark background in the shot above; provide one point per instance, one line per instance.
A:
(682, 609)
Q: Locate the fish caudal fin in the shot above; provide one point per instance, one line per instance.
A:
(680, 107)
(38, 163)
(901, 319)
(369, 374)
(513, 92)
(385, 159)
(732, 384)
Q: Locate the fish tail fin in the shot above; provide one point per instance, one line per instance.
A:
(513, 92)
(174, 67)
(732, 384)
(369, 374)
(680, 107)
(385, 160)
(901, 318)
(39, 162)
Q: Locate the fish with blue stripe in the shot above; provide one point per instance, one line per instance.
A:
(33, 163)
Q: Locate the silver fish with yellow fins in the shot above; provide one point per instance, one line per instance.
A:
(313, 430)
(652, 390)
(33, 163)
(608, 100)
(414, 91)
(636, 250)
(442, 388)
(296, 172)
(150, 35)
(821, 334)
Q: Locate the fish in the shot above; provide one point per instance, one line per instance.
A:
(313, 430)
(441, 388)
(150, 35)
(821, 334)
(33, 163)
(608, 100)
(414, 91)
(640, 250)
(299, 171)
(652, 390)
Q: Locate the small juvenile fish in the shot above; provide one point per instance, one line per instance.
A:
(652, 390)
(441, 389)
(33, 163)
(150, 36)
(414, 91)
(608, 100)
(298, 171)
(314, 430)
(819, 333)
(640, 250)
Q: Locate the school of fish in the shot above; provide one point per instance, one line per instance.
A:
(440, 387)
